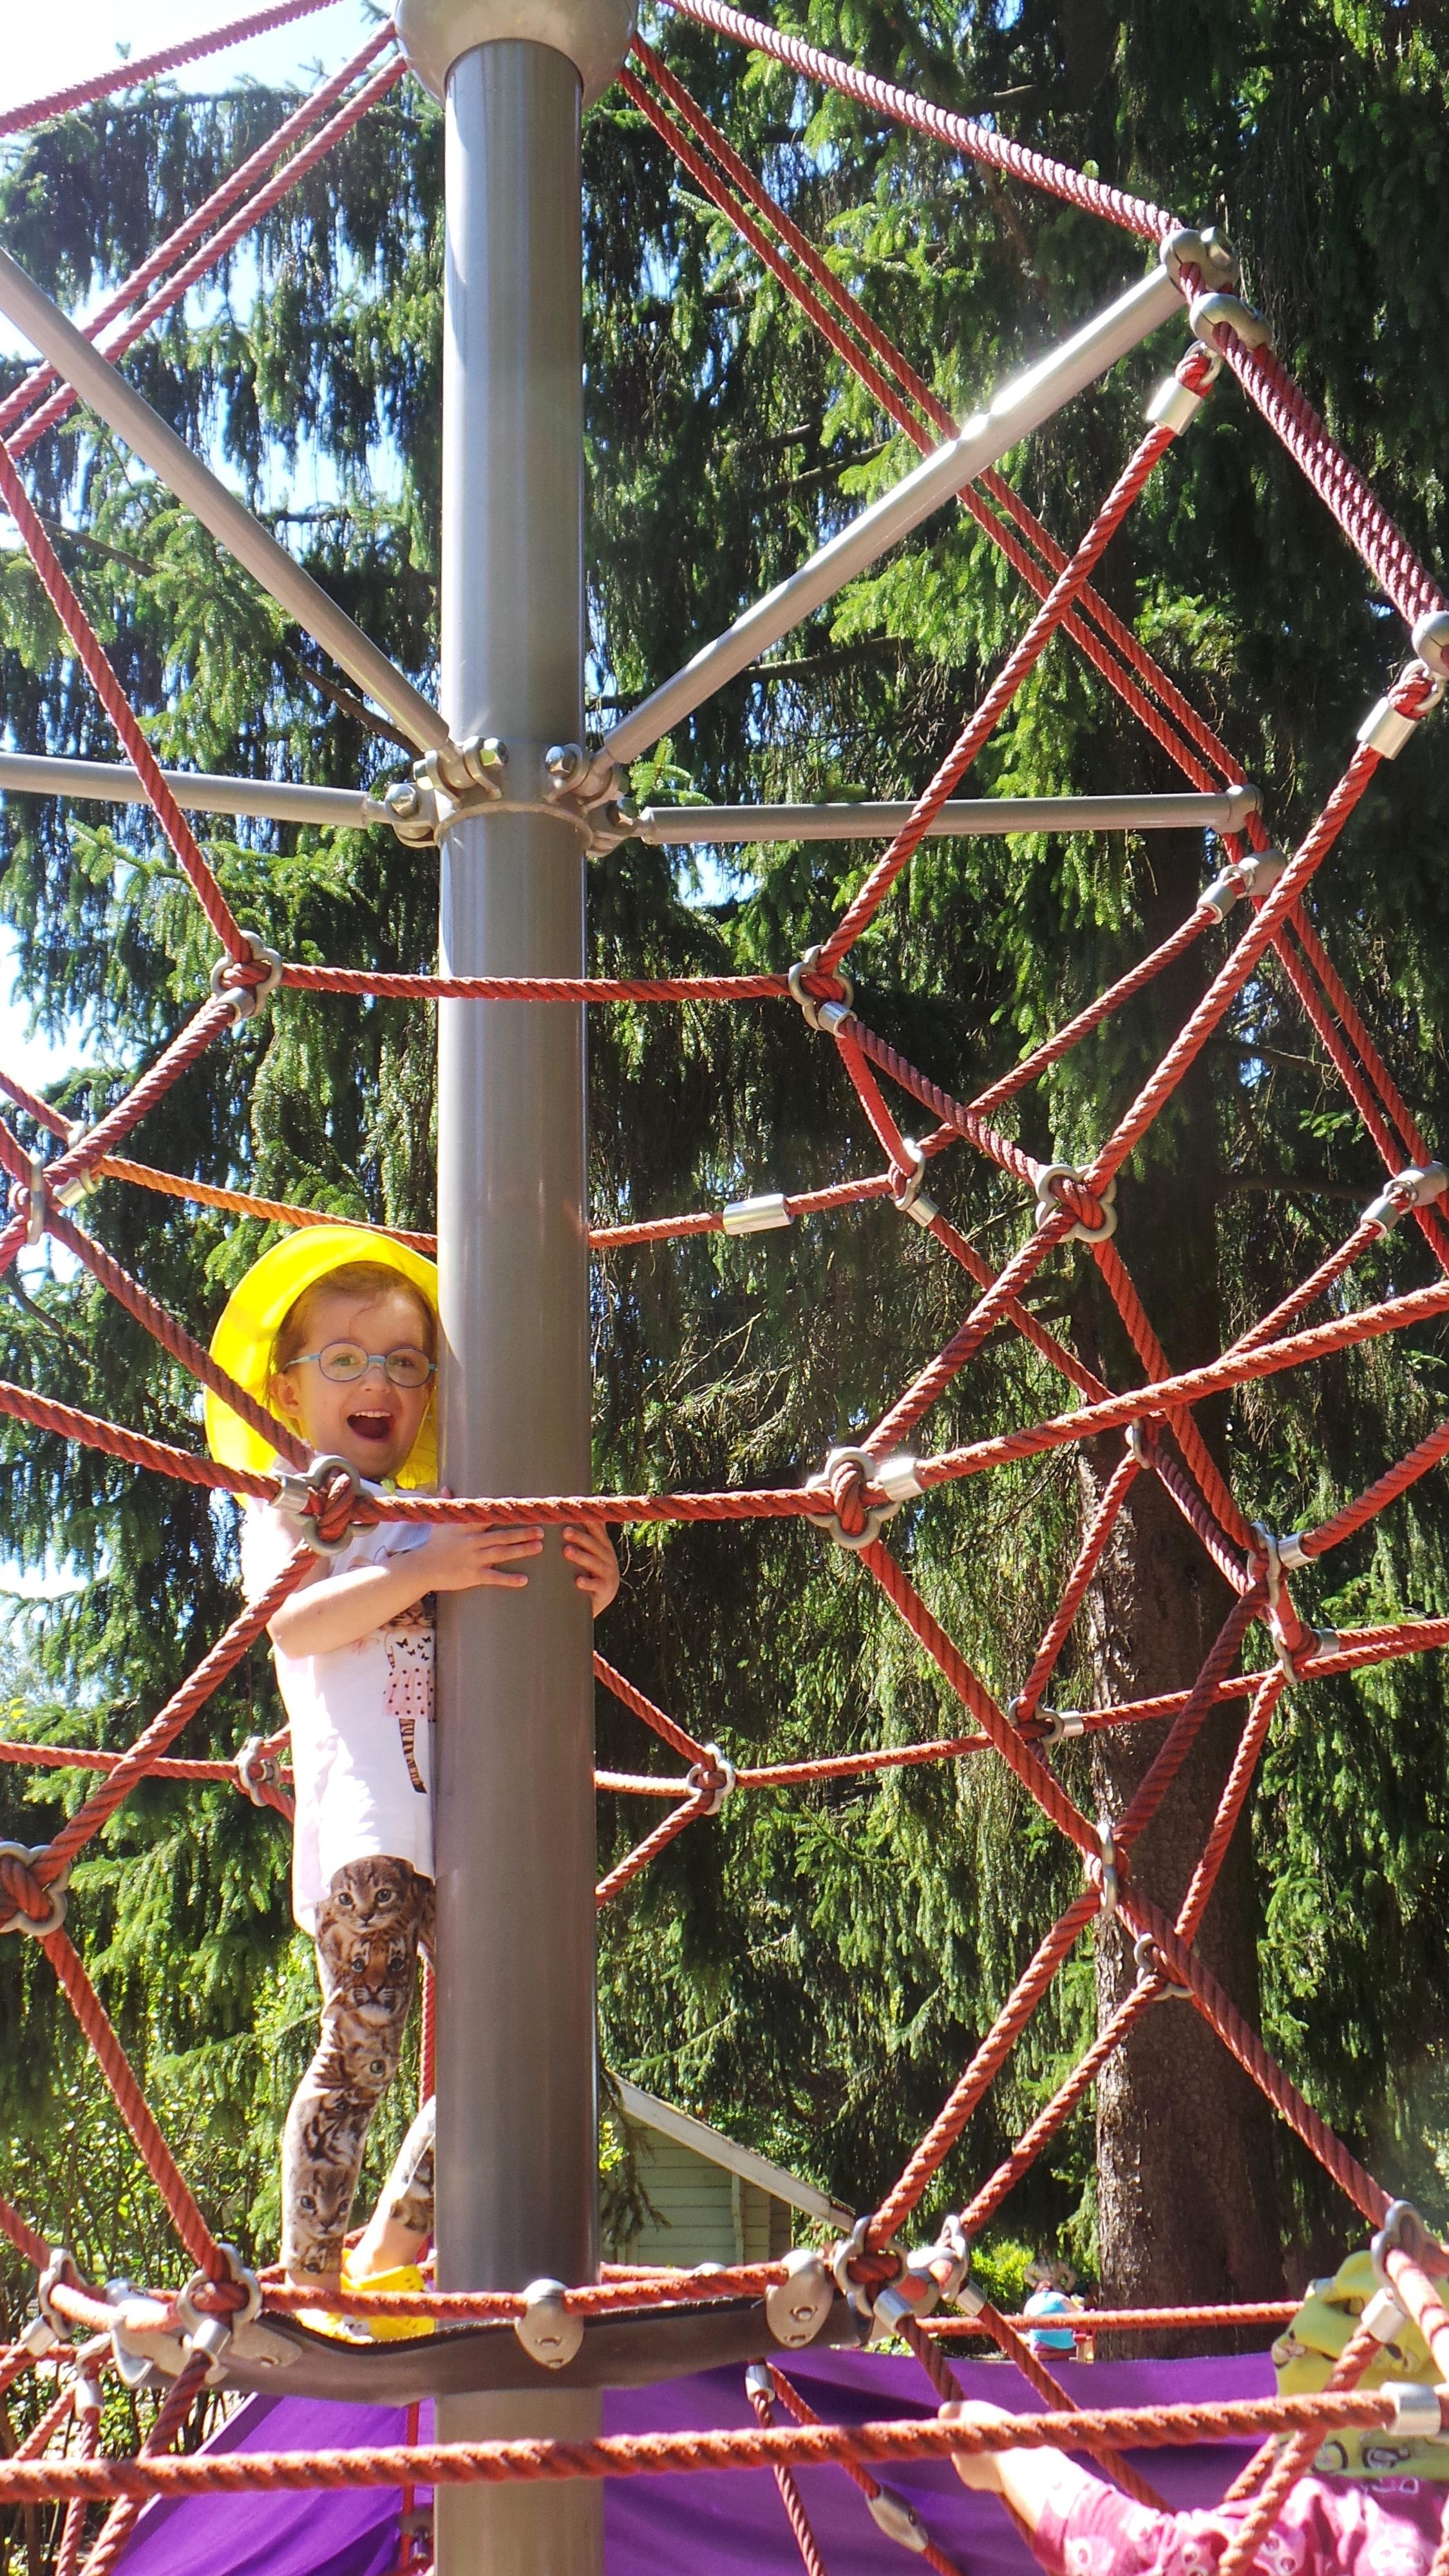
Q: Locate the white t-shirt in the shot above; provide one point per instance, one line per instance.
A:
(361, 1719)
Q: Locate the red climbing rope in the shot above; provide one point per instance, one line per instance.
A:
(130, 75)
(983, 142)
(132, 297)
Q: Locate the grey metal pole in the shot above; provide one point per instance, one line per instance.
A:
(516, 2139)
(1020, 406)
(744, 826)
(197, 791)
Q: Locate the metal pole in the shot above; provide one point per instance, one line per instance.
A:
(1020, 406)
(745, 826)
(517, 2187)
(197, 791)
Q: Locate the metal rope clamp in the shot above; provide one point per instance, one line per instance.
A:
(296, 1491)
(1049, 1203)
(1212, 313)
(1430, 639)
(29, 1201)
(1150, 1963)
(247, 999)
(212, 2331)
(548, 2328)
(855, 2294)
(931, 2274)
(257, 1771)
(797, 2307)
(39, 1928)
(85, 1185)
(1387, 726)
(1177, 401)
(1255, 876)
(1403, 2232)
(719, 1779)
(1208, 251)
(815, 1012)
(896, 1478)
(1104, 1870)
(1279, 1555)
(60, 2268)
(898, 2520)
(908, 1191)
(1418, 1186)
(1058, 1725)
(149, 2349)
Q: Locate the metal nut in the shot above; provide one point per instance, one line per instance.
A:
(548, 2329)
(797, 2307)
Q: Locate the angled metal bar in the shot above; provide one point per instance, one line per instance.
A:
(197, 791)
(1020, 406)
(93, 377)
(669, 826)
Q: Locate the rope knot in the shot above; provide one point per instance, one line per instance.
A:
(32, 1899)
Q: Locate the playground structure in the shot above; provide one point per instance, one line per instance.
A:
(528, 2327)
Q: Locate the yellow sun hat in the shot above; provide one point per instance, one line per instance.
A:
(246, 1336)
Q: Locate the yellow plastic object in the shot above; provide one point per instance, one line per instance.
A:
(1306, 2351)
(322, 2321)
(406, 2276)
(244, 1339)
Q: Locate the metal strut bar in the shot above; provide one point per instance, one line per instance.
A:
(97, 382)
(1020, 406)
(668, 825)
(197, 791)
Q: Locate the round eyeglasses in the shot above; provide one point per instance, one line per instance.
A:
(346, 1363)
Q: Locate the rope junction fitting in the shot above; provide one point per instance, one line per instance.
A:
(228, 2328)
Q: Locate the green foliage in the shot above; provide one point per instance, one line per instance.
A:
(811, 1970)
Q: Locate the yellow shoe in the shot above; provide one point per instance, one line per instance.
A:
(405, 2276)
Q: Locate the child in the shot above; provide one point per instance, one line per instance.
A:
(1079, 2526)
(1053, 2284)
(336, 1331)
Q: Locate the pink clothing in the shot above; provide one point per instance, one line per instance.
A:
(1325, 2527)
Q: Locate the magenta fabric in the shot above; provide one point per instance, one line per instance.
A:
(720, 2523)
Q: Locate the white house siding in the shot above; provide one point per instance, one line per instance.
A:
(704, 2214)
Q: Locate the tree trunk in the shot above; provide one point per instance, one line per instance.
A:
(1187, 2207)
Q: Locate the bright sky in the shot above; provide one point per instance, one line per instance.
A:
(45, 49)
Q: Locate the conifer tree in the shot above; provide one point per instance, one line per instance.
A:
(809, 1971)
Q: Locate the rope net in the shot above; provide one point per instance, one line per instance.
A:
(855, 1495)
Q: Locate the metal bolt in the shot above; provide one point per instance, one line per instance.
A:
(565, 763)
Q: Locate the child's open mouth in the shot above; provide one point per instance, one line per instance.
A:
(370, 1426)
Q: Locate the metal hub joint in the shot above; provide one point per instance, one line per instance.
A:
(594, 35)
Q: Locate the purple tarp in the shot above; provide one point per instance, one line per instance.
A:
(708, 2524)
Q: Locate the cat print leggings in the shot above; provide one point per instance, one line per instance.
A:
(372, 1923)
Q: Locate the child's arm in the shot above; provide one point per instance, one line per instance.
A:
(322, 1615)
(1073, 2520)
(1024, 2478)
